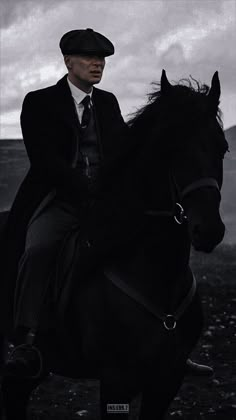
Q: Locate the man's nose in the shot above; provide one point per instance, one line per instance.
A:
(98, 60)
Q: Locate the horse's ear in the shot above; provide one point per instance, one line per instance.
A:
(165, 84)
(214, 92)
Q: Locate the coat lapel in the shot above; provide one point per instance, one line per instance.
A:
(103, 122)
(64, 103)
(66, 111)
(100, 111)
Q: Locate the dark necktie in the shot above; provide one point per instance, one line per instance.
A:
(87, 112)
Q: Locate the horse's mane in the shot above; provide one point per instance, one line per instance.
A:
(183, 90)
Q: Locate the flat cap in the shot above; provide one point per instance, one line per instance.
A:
(86, 41)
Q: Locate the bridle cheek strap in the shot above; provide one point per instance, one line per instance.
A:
(204, 182)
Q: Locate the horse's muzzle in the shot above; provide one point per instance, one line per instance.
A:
(206, 237)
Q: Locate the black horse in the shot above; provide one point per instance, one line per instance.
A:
(133, 323)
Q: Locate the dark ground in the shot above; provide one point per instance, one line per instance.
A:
(214, 398)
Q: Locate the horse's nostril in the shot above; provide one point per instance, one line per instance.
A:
(205, 237)
(196, 233)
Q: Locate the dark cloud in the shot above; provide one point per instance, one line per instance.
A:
(13, 11)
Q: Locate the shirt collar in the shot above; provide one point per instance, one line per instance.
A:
(77, 93)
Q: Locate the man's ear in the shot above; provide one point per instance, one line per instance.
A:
(67, 61)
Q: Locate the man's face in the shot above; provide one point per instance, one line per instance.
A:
(85, 69)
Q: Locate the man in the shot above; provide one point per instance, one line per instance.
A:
(74, 136)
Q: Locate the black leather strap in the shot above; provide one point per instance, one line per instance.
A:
(139, 298)
(204, 182)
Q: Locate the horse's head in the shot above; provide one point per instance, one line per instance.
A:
(196, 148)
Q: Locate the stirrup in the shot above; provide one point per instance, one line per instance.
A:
(29, 346)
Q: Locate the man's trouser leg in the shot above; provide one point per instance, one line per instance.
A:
(44, 237)
(35, 283)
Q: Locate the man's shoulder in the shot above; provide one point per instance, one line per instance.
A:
(46, 92)
(103, 93)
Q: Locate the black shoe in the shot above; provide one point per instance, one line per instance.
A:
(24, 361)
(194, 369)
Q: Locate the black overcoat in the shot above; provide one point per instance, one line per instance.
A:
(50, 133)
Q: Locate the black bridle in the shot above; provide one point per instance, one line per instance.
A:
(203, 182)
(178, 212)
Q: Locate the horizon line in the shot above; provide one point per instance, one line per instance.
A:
(21, 138)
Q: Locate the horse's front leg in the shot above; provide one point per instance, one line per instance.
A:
(153, 407)
(16, 392)
(3, 351)
(114, 403)
(158, 394)
(3, 345)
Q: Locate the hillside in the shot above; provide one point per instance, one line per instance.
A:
(229, 188)
(230, 134)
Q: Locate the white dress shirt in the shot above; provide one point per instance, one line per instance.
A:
(78, 95)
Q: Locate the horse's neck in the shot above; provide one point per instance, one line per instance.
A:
(158, 266)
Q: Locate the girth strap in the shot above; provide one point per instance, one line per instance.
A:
(169, 320)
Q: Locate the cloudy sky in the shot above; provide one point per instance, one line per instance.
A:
(184, 37)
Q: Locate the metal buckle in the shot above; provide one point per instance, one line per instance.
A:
(169, 322)
(179, 216)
